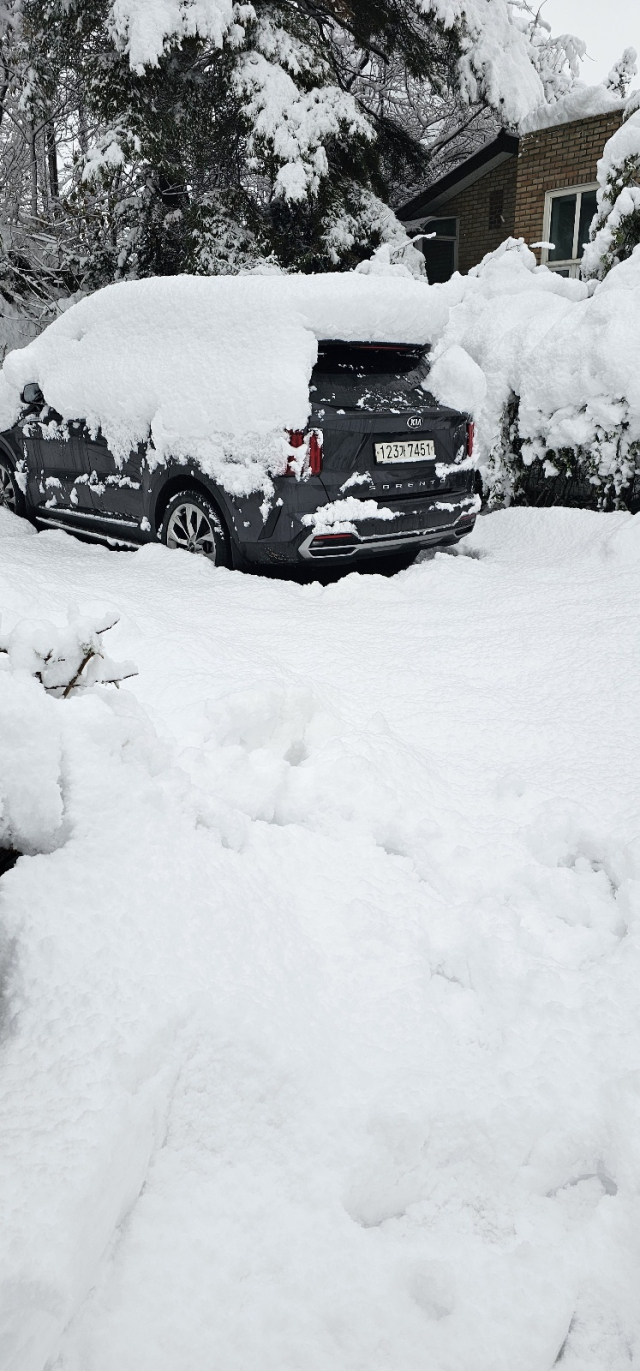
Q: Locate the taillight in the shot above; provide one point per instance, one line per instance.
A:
(314, 449)
(471, 430)
(315, 455)
(296, 439)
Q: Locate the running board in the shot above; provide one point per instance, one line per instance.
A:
(108, 538)
(99, 518)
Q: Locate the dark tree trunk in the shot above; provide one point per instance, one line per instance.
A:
(83, 136)
(33, 169)
(52, 161)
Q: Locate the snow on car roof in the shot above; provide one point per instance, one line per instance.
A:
(200, 362)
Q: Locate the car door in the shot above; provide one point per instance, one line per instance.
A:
(57, 475)
(30, 442)
(115, 488)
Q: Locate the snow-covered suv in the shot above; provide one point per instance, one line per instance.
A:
(377, 466)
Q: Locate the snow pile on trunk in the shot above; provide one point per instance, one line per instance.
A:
(320, 993)
(209, 368)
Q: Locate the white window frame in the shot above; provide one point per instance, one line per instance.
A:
(444, 238)
(572, 264)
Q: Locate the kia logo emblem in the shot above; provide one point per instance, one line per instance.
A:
(414, 423)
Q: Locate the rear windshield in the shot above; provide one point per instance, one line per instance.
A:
(369, 376)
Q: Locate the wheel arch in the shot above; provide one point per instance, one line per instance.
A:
(178, 483)
(7, 450)
(18, 476)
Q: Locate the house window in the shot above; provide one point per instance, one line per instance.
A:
(567, 216)
(441, 250)
(496, 207)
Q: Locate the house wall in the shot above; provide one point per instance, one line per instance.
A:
(472, 209)
(565, 155)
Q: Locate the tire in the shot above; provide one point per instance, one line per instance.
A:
(192, 522)
(11, 496)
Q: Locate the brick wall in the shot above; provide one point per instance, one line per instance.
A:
(566, 155)
(473, 210)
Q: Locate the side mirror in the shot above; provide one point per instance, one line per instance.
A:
(32, 394)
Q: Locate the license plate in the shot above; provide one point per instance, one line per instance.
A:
(414, 450)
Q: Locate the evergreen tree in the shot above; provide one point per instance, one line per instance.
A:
(615, 231)
(211, 135)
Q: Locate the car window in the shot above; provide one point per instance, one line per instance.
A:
(367, 375)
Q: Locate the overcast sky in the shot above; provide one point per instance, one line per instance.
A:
(607, 26)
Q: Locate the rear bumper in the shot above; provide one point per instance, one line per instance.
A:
(342, 546)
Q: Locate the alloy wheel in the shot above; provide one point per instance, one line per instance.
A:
(8, 498)
(190, 529)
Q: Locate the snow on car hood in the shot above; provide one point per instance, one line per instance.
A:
(211, 368)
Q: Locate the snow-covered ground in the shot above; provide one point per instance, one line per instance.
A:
(321, 1009)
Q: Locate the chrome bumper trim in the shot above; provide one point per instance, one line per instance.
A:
(384, 541)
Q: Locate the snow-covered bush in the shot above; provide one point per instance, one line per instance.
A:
(616, 228)
(558, 418)
(31, 806)
(602, 475)
(66, 659)
(395, 258)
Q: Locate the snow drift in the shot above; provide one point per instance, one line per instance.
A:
(320, 978)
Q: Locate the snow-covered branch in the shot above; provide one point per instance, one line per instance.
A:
(64, 660)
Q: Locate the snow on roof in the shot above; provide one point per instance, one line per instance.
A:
(582, 102)
(199, 362)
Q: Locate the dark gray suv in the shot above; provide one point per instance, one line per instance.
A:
(381, 468)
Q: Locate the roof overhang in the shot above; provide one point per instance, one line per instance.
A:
(492, 155)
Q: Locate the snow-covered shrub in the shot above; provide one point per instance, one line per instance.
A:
(559, 419)
(616, 228)
(397, 258)
(33, 739)
(31, 805)
(66, 659)
(605, 475)
(505, 460)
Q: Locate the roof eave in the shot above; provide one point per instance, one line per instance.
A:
(492, 155)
